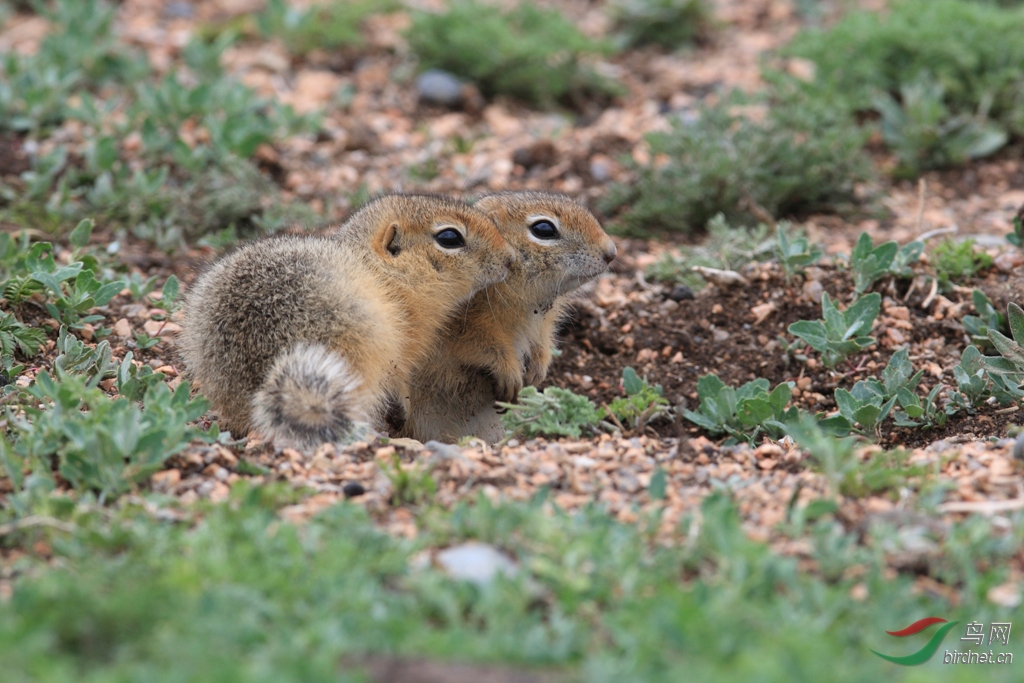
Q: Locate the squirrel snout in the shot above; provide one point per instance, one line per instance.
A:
(609, 253)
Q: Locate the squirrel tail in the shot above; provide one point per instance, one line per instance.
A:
(309, 397)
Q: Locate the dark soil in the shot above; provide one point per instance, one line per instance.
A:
(673, 344)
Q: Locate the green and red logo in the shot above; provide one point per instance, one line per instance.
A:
(929, 649)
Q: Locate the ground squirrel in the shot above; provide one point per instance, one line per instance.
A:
(504, 335)
(303, 337)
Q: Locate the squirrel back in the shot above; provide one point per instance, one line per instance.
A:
(304, 337)
(504, 334)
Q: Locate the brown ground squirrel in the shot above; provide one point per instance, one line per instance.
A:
(303, 337)
(504, 335)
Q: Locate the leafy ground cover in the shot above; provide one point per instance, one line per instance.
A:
(747, 471)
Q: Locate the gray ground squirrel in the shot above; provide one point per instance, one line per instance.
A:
(504, 335)
(305, 337)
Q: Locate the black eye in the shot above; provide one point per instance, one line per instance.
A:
(544, 230)
(450, 239)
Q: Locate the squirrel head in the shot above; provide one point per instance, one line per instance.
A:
(561, 245)
(422, 240)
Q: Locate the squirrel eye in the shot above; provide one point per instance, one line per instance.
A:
(450, 239)
(544, 230)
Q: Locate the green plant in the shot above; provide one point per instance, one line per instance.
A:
(75, 358)
(976, 384)
(916, 414)
(133, 381)
(840, 333)
(670, 24)
(725, 248)
(77, 56)
(642, 403)
(870, 263)
(98, 444)
(882, 471)
(794, 254)
(834, 455)
(923, 133)
(411, 485)
(944, 74)
(190, 171)
(556, 412)
(529, 53)
(799, 156)
(742, 413)
(871, 400)
(16, 335)
(1016, 238)
(988, 318)
(324, 26)
(956, 260)
(168, 300)
(1010, 363)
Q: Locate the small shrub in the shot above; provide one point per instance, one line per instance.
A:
(944, 74)
(742, 413)
(840, 333)
(528, 53)
(98, 444)
(556, 412)
(924, 134)
(670, 24)
(956, 260)
(802, 156)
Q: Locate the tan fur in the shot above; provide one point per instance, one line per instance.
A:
(504, 335)
(294, 321)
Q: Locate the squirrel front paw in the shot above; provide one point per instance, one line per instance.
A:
(536, 365)
(508, 391)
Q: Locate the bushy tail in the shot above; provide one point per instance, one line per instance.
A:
(309, 397)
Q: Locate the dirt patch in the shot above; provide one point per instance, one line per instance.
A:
(739, 334)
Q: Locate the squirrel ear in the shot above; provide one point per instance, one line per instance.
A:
(389, 241)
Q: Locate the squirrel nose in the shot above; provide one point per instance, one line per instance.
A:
(609, 254)
(509, 260)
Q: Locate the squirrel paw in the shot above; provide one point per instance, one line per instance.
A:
(506, 389)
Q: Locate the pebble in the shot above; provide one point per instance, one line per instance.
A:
(1009, 261)
(475, 562)
(439, 87)
(813, 290)
(353, 489)
(122, 328)
(680, 293)
(600, 168)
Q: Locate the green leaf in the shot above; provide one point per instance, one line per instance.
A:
(631, 382)
(658, 485)
(861, 315)
(108, 291)
(1016, 319)
(170, 292)
(812, 332)
(79, 237)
